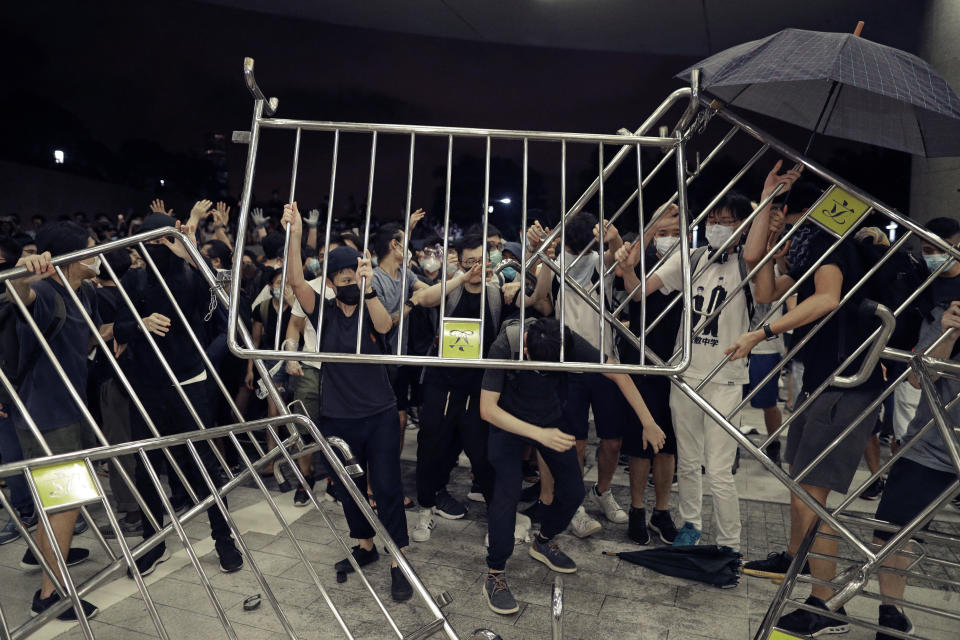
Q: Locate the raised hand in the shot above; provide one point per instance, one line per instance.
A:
(951, 317)
(610, 232)
(312, 218)
(176, 246)
(416, 217)
(775, 178)
(535, 235)
(510, 291)
(667, 219)
(157, 206)
(199, 210)
(365, 270)
(257, 216)
(628, 256)
(291, 216)
(221, 215)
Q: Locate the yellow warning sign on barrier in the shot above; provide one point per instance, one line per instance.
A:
(776, 634)
(461, 339)
(64, 485)
(837, 211)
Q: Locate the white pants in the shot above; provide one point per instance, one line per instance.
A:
(701, 441)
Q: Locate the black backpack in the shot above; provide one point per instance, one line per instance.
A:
(10, 355)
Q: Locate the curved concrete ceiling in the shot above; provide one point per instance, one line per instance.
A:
(680, 27)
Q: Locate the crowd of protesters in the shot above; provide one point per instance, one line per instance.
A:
(516, 427)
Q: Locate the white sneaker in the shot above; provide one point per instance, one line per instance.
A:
(583, 525)
(609, 505)
(521, 532)
(426, 523)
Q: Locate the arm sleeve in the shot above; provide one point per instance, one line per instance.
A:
(670, 273)
(583, 351)
(493, 379)
(125, 328)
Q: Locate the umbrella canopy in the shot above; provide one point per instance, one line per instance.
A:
(851, 87)
(719, 566)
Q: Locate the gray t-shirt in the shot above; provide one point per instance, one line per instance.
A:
(388, 290)
(930, 450)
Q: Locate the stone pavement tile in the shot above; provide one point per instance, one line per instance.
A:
(287, 591)
(732, 625)
(132, 614)
(271, 564)
(103, 631)
(465, 625)
(706, 599)
(536, 622)
(539, 593)
(189, 596)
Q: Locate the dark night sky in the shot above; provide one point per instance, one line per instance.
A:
(170, 72)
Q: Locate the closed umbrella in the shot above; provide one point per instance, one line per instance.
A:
(718, 566)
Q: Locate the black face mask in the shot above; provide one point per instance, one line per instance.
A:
(161, 256)
(349, 294)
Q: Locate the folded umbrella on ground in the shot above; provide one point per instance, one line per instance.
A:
(718, 566)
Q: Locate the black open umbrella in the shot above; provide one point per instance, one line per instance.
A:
(719, 566)
(841, 85)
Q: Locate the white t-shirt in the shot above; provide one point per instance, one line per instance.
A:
(709, 291)
(578, 315)
(309, 332)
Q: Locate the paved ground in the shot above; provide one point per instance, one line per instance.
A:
(607, 597)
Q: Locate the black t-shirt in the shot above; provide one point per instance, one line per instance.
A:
(663, 338)
(845, 331)
(270, 322)
(109, 303)
(423, 325)
(347, 389)
(533, 396)
(42, 390)
(945, 291)
(458, 378)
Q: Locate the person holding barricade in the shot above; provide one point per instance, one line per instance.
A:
(356, 401)
(49, 406)
(524, 407)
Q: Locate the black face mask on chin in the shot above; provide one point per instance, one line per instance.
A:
(349, 294)
(161, 256)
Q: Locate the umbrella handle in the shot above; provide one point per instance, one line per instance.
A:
(859, 29)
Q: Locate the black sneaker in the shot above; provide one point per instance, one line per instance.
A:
(74, 557)
(400, 589)
(300, 498)
(811, 625)
(446, 506)
(892, 618)
(661, 523)
(531, 492)
(497, 594)
(42, 604)
(773, 452)
(533, 512)
(231, 559)
(130, 528)
(361, 555)
(10, 532)
(549, 554)
(637, 529)
(147, 563)
(775, 566)
(79, 526)
(874, 491)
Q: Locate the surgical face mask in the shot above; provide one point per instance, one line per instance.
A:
(509, 274)
(313, 266)
(935, 260)
(431, 264)
(717, 234)
(495, 256)
(348, 294)
(94, 266)
(275, 292)
(665, 244)
(452, 268)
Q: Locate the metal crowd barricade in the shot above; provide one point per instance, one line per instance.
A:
(69, 481)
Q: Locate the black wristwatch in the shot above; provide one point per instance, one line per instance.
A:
(371, 295)
(768, 332)
(410, 303)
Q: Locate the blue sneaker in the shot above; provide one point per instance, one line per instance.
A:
(688, 536)
(10, 532)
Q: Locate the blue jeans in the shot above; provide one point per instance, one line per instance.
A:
(10, 452)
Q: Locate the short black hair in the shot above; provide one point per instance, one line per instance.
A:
(477, 228)
(120, 262)
(10, 250)
(578, 232)
(543, 340)
(470, 241)
(384, 236)
(802, 195)
(944, 228)
(273, 245)
(736, 203)
(220, 249)
(62, 237)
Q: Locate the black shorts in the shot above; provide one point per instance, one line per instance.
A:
(586, 391)
(656, 394)
(910, 487)
(404, 379)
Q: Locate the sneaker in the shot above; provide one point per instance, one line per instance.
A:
(426, 523)
(448, 507)
(79, 526)
(583, 525)
(530, 492)
(661, 523)
(549, 554)
(774, 567)
(811, 624)
(773, 452)
(533, 512)
(300, 498)
(361, 555)
(497, 594)
(637, 529)
(181, 503)
(148, 563)
(10, 531)
(874, 491)
(688, 536)
(475, 494)
(231, 560)
(129, 529)
(892, 618)
(70, 615)
(609, 505)
(74, 557)
(400, 589)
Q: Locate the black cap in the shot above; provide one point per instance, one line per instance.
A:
(62, 237)
(343, 257)
(156, 221)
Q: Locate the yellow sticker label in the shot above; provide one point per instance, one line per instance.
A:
(837, 211)
(776, 634)
(65, 484)
(461, 339)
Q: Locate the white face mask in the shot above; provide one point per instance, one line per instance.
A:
(431, 264)
(717, 234)
(665, 244)
(935, 260)
(452, 268)
(95, 267)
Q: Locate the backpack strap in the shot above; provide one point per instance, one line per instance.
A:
(753, 309)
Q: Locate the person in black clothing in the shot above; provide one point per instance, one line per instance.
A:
(356, 400)
(154, 387)
(525, 407)
(662, 235)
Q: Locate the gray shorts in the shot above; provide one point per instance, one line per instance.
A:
(68, 439)
(822, 423)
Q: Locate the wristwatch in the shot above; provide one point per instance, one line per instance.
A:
(768, 332)
(371, 295)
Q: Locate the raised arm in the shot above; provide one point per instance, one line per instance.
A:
(429, 296)
(306, 296)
